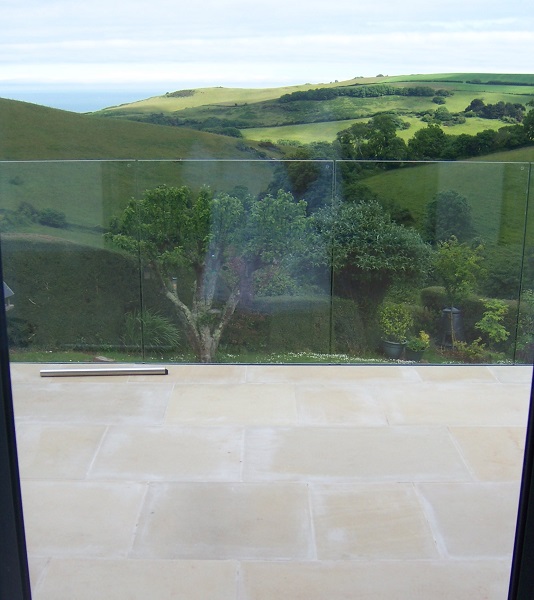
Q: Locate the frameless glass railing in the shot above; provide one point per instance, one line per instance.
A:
(268, 261)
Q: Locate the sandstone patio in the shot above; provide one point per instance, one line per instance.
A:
(238, 482)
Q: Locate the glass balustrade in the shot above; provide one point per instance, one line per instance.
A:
(268, 261)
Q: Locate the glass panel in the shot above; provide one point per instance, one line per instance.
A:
(71, 290)
(433, 248)
(248, 284)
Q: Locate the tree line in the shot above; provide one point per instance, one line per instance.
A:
(363, 91)
(378, 140)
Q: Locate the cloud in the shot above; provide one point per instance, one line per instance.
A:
(221, 43)
(262, 58)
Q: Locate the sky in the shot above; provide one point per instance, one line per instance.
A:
(85, 56)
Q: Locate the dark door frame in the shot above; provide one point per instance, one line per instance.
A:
(14, 572)
(522, 575)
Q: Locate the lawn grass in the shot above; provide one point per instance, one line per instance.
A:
(304, 134)
(327, 131)
(431, 356)
(496, 192)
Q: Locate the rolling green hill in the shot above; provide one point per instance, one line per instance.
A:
(33, 132)
(182, 99)
(93, 166)
(266, 114)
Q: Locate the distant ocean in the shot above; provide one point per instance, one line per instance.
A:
(81, 101)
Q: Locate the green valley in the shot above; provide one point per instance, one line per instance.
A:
(320, 111)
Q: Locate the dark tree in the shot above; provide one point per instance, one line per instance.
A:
(427, 143)
(448, 215)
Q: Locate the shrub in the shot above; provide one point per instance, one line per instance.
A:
(491, 322)
(502, 278)
(70, 293)
(280, 324)
(27, 211)
(349, 332)
(458, 266)
(247, 331)
(395, 321)
(426, 319)
(419, 343)
(448, 214)
(474, 352)
(19, 332)
(296, 323)
(151, 330)
(525, 330)
(52, 218)
(434, 299)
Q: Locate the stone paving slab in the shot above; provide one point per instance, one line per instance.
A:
(370, 521)
(454, 404)
(330, 374)
(473, 519)
(376, 580)
(232, 404)
(352, 454)
(492, 453)
(57, 451)
(89, 401)
(71, 579)
(81, 519)
(225, 521)
(339, 404)
(169, 454)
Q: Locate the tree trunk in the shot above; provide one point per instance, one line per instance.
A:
(203, 328)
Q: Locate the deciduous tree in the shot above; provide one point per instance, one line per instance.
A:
(220, 240)
(370, 252)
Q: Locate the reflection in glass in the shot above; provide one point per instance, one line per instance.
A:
(268, 261)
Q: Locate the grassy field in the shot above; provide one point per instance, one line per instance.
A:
(33, 132)
(463, 77)
(496, 192)
(259, 115)
(305, 134)
(89, 191)
(181, 99)
(327, 131)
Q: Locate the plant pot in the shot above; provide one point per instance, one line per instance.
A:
(393, 350)
(415, 355)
